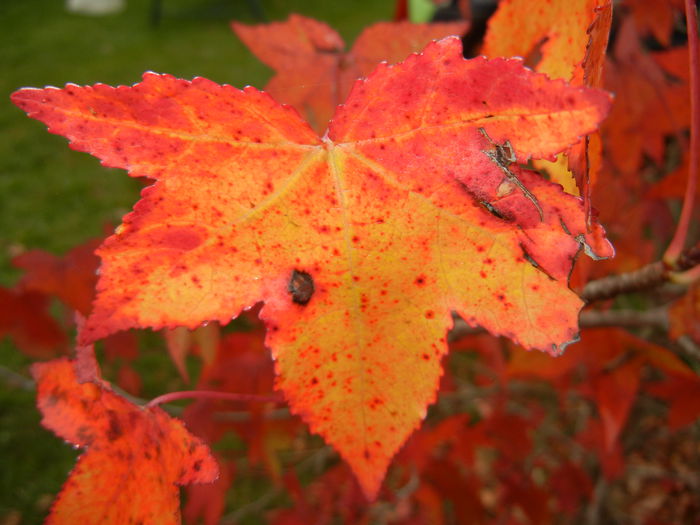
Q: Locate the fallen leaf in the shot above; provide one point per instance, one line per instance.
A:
(135, 457)
(361, 243)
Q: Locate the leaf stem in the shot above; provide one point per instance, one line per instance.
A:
(213, 394)
(676, 246)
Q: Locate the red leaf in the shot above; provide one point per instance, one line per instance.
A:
(135, 456)
(614, 392)
(682, 393)
(25, 318)
(684, 315)
(572, 486)
(71, 278)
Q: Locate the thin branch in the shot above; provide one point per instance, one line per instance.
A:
(655, 318)
(213, 394)
(688, 346)
(15, 380)
(650, 276)
(238, 417)
(676, 246)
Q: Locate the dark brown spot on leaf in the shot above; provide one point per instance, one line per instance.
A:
(114, 431)
(301, 286)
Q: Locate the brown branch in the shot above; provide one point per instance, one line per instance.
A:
(650, 276)
(14, 380)
(655, 318)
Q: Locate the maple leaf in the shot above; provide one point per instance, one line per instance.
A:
(315, 73)
(361, 243)
(135, 456)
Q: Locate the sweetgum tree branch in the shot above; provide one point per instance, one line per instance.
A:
(648, 277)
(654, 318)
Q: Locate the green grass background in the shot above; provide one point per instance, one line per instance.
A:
(53, 198)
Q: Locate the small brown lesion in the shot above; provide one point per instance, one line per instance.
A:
(301, 287)
(503, 155)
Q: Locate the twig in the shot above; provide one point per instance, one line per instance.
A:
(594, 507)
(688, 346)
(676, 246)
(15, 380)
(649, 276)
(655, 318)
(237, 417)
(213, 394)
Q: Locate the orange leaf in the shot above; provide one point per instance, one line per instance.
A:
(135, 456)
(315, 73)
(361, 243)
(555, 32)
